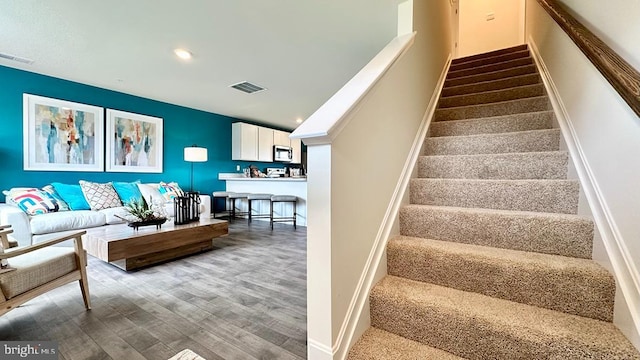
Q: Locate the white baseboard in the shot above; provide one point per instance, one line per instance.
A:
(318, 351)
(353, 317)
(623, 267)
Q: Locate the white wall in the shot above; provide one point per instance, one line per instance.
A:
(455, 27)
(369, 155)
(478, 35)
(614, 21)
(605, 133)
(353, 175)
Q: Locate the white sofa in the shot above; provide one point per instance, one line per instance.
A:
(29, 230)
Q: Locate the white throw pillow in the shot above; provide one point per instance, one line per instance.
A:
(150, 193)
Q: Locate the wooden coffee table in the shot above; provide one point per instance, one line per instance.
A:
(130, 249)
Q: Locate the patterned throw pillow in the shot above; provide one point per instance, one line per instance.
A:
(170, 191)
(7, 194)
(33, 201)
(100, 196)
(49, 190)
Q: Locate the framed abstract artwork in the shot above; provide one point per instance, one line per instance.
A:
(134, 142)
(62, 135)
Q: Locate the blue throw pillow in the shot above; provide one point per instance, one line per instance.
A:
(127, 191)
(72, 195)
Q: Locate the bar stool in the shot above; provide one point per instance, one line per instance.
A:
(233, 197)
(284, 199)
(220, 195)
(258, 197)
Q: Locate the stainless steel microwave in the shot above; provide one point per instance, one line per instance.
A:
(282, 153)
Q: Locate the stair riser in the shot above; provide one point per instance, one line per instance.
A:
(489, 54)
(523, 70)
(528, 283)
(494, 109)
(489, 68)
(531, 141)
(468, 336)
(493, 125)
(551, 165)
(551, 196)
(490, 60)
(378, 344)
(492, 85)
(536, 233)
(494, 96)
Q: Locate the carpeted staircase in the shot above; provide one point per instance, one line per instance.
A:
(492, 261)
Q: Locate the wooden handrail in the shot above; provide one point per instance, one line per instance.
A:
(620, 74)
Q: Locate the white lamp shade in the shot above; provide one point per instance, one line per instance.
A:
(195, 154)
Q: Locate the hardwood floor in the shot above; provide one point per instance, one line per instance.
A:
(246, 299)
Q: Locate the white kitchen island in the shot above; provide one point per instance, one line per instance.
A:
(277, 186)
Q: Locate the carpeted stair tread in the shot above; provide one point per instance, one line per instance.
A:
(493, 67)
(495, 75)
(549, 281)
(531, 165)
(490, 54)
(475, 326)
(547, 233)
(537, 103)
(376, 344)
(550, 196)
(496, 124)
(492, 96)
(492, 261)
(506, 83)
(490, 60)
(521, 141)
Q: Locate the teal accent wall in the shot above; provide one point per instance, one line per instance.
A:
(182, 127)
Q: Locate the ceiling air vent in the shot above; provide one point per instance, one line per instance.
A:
(247, 87)
(16, 58)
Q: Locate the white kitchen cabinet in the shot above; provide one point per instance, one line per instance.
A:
(281, 138)
(296, 148)
(265, 144)
(244, 142)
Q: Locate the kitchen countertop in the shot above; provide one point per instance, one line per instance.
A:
(236, 182)
(240, 177)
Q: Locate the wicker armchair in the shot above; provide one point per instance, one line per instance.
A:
(33, 270)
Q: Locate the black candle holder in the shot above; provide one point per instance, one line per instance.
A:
(187, 208)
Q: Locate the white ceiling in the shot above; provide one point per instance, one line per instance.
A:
(302, 51)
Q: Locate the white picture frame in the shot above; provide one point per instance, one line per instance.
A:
(60, 135)
(134, 142)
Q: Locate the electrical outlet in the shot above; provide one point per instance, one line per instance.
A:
(237, 167)
(491, 16)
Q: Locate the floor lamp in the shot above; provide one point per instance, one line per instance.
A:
(194, 154)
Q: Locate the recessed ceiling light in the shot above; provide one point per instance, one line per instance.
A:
(183, 54)
(299, 120)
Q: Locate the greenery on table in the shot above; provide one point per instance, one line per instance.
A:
(141, 210)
